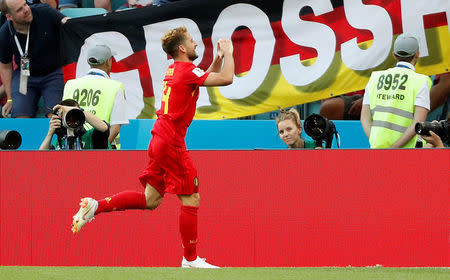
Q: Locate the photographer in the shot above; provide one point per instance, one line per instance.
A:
(433, 141)
(289, 128)
(95, 138)
(434, 133)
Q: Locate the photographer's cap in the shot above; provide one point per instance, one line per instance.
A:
(99, 54)
(406, 45)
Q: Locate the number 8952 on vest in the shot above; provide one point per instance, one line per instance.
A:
(387, 82)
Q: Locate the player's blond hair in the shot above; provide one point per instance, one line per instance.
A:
(292, 114)
(172, 39)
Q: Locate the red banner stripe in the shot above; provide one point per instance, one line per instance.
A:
(336, 20)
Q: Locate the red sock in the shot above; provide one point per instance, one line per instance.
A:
(188, 230)
(122, 201)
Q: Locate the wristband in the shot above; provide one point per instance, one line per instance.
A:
(9, 100)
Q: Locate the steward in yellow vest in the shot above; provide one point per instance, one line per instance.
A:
(396, 99)
(98, 94)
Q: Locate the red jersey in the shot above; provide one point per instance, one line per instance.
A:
(181, 90)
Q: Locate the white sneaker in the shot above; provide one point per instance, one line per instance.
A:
(197, 263)
(88, 206)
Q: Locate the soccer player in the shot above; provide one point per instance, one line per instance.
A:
(170, 168)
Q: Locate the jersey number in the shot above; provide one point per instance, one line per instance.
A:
(165, 98)
(387, 82)
(86, 98)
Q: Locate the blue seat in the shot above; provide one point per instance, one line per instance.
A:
(83, 12)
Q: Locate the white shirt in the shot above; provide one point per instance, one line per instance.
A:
(422, 98)
(119, 111)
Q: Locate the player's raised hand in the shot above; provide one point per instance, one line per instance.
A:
(219, 50)
(226, 46)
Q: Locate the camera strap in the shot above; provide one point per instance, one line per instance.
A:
(73, 143)
(337, 137)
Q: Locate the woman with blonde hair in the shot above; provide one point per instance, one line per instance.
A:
(290, 130)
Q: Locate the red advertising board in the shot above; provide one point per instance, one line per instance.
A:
(258, 208)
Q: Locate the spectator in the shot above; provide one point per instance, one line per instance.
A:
(289, 128)
(94, 138)
(440, 95)
(41, 60)
(162, 2)
(434, 134)
(139, 3)
(342, 107)
(51, 3)
(106, 97)
(105, 4)
(3, 98)
(66, 4)
(396, 99)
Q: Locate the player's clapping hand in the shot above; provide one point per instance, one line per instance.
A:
(226, 46)
(219, 50)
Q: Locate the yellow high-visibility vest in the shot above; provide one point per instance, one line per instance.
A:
(94, 95)
(392, 96)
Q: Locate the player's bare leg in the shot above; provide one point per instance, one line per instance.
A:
(188, 231)
(152, 197)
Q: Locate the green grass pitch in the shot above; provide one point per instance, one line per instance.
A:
(275, 273)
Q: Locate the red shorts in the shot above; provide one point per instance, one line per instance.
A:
(170, 168)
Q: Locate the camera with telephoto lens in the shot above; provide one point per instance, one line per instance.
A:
(441, 128)
(73, 119)
(321, 129)
(71, 127)
(10, 140)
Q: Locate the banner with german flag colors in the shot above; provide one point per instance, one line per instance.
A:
(287, 52)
